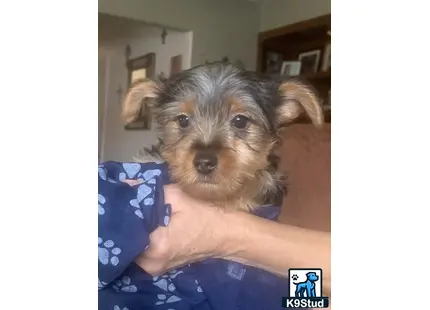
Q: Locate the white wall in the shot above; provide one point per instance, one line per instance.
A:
(220, 27)
(117, 143)
(278, 13)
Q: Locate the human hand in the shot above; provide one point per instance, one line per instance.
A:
(196, 231)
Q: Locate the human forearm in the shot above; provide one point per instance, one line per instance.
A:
(198, 231)
(252, 238)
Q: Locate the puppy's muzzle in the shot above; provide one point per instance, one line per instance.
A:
(205, 161)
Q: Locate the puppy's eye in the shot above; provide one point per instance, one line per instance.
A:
(183, 121)
(240, 121)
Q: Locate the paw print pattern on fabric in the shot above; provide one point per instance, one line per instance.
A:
(149, 176)
(236, 271)
(102, 173)
(131, 170)
(143, 191)
(102, 201)
(165, 283)
(108, 253)
(135, 205)
(167, 217)
(166, 299)
(124, 285)
(101, 284)
(199, 288)
(116, 307)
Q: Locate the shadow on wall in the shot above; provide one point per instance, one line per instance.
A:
(306, 158)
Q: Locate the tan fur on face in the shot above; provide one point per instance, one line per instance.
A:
(239, 179)
(188, 107)
(236, 106)
(299, 98)
(139, 91)
(243, 177)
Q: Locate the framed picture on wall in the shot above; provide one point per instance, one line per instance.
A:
(141, 66)
(138, 74)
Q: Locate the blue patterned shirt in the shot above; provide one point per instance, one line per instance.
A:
(127, 215)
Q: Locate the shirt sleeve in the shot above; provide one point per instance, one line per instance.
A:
(127, 214)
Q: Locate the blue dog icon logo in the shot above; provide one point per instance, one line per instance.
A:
(307, 286)
(305, 289)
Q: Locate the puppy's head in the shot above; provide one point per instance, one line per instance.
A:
(219, 125)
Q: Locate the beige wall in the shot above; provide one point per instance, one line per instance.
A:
(220, 27)
(101, 96)
(278, 13)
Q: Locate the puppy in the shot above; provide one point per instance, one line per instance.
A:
(219, 126)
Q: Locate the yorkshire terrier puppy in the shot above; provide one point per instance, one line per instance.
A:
(219, 126)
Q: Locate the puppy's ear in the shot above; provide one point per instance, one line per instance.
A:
(136, 95)
(298, 98)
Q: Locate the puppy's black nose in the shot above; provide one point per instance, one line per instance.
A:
(204, 162)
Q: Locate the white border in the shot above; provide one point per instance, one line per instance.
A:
(380, 156)
(380, 152)
(48, 128)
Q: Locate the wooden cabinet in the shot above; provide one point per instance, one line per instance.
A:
(292, 42)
